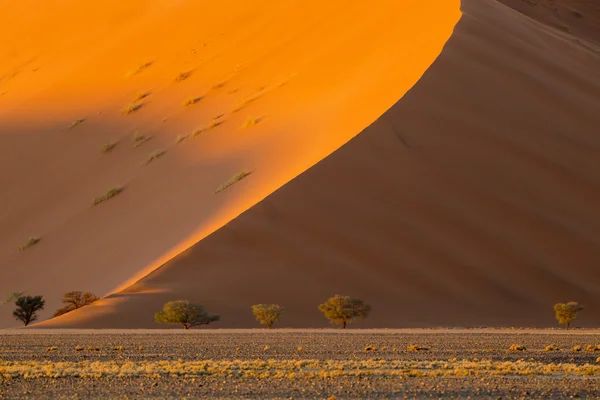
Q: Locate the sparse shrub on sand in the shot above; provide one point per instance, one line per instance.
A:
(184, 313)
(139, 139)
(75, 300)
(370, 348)
(212, 124)
(344, 309)
(267, 314)
(180, 138)
(251, 122)
(110, 193)
(517, 347)
(577, 348)
(75, 123)
(266, 348)
(192, 101)
(78, 348)
(142, 95)
(140, 68)
(591, 348)
(155, 155)
(131, 108)
(565, 313)
(182, 76)
(108, 147)
(414, 347)
(31, 241)
(234, 179)
(552, 348)
(52, 348)
(27, 308)
(118, 348)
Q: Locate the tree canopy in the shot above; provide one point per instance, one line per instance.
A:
(75, 300)
(185, 313)
(344, 309)
(267, 314)
(27, 308)
(565, 313)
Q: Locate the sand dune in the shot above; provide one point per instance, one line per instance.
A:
(472, 201)
(273, 88)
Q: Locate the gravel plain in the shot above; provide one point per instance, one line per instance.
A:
(314, 364)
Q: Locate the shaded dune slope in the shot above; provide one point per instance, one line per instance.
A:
(473, 201)
(223, 87)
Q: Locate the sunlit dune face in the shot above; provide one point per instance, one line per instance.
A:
(265, 86)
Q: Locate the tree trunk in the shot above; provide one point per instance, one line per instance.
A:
(185, 326)
(343, 324)
(567, 325)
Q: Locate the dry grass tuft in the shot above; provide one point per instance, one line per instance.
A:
(236, 178)
(119, 348)
(155, 155)
(139, 139)
(182, 76)
(140, 68)
(552, 348)
(110, 193)
(193, 100)
(131, 108)
(577, 348)
(108, 147)
(414, 347)
(75, 123)
(517, 347)
(251, 122)
(370, 348)
(78, 348)
(142, 95)
(180, 138)
(213, 124)
(53, 348)
(31, 241)
(266, 348)
(591, 348)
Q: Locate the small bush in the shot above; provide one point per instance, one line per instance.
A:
(213, 124)
(577, 348)
(184, 313)
(370, 348)
(78, 348)
(251, 122)
(27, 308)
(131, 108)
(31, 241)
(74, 300)
(110, 193)
(236, 178)
(155, 155)
(552, 348)
(108, 147)
(119, 348)
(182, 76)
(591, 348)
(414, 347)
(517, 347)
(75, 123)
(192, 101)
(142, 95)
(180, 138)
(267, 314)
(53, 348)
(344, 309)
(139, 139)
(140, 68)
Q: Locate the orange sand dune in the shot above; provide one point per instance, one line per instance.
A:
(473, 201)
(306, 75)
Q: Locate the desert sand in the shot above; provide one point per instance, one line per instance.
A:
(273, 88)
(472, 201)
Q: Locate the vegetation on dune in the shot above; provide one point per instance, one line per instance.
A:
(234, 179)
(192, 101)
(75, 300)
(108, 147)
(267, 314)
(184, 313)
(27, 308)
(131, 108)
(342, 310)
(155, 155)
(75, 123)
(182, 76)
(31, 241)
(566, 313)
(110, 193)
(139, 139)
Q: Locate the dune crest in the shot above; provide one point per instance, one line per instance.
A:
(161, 103)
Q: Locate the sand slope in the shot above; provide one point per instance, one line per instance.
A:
(473, 201)
(308, 75)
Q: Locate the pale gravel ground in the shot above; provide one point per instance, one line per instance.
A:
(283, 344)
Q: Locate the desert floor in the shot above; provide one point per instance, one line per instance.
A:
(299, 364)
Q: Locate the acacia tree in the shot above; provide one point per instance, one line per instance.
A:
(267, 314)
(27, 308)
(185, 313)
(565, 313)
(344, 309)
(75, 300)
